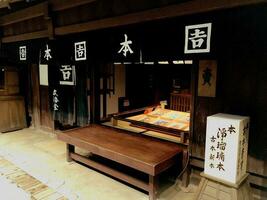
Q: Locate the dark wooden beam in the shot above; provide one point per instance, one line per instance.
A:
(49, 21)
(186, 8)
(22, 15)
(26, 36)
(50, 28)
(58, 5)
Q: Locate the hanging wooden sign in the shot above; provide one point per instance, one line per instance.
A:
(207, 77)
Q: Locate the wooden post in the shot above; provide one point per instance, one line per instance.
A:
(152, 185)
(70, 149)
(186, 174)
(35, 96)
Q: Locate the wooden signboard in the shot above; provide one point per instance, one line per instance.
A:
(207, 78)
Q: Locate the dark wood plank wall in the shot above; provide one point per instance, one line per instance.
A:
(85, 15)
(32, 23)
(27, 26)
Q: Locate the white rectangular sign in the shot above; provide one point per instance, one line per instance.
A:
(226, 147)
(197, 38)
(23, 53)
(43, 74)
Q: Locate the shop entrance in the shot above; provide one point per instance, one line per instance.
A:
(148, 84)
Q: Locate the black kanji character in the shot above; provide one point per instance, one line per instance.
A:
(220, 166)
(207, 76)
(231, 129)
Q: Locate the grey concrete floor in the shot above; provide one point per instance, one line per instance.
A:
(41, 155)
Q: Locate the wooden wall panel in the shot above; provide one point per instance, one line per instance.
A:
(45, 113)
(12, 113)
(27, 26)
(106, 8)
(85, 15)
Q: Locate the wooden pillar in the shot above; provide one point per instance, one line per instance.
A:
(186, 174)
(70, 149)
(95, 93)
(35, 96)
(152, 187)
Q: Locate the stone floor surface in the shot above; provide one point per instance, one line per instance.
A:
(43, 157)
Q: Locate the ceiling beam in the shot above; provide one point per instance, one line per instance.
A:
(6, 3)
(39, 10)
(58, 5)
(22, 15)
(182, 9)
(26, 36)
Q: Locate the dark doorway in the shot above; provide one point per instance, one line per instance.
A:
(149, 84)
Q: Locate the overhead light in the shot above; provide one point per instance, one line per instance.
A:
(188, 62)
(163, 62)
(178, 62)
(149, 63)
(127, 63)
(117, 63)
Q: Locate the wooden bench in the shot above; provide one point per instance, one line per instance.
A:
(142, 153)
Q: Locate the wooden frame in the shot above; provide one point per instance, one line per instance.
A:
(184, 135)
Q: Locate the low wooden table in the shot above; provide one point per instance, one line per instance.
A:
(148, 155)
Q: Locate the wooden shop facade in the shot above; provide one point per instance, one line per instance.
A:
(152, 68)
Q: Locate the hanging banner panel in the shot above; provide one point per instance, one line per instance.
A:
(43, 74)
(68, 75)
(23, 53)
(80, 51)
(125, 46)
(47, 53)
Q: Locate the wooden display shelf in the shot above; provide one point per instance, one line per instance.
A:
(162, 132)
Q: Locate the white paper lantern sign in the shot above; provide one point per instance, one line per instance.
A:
(226, 147)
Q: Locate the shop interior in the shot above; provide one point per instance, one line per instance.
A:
(151, 97)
